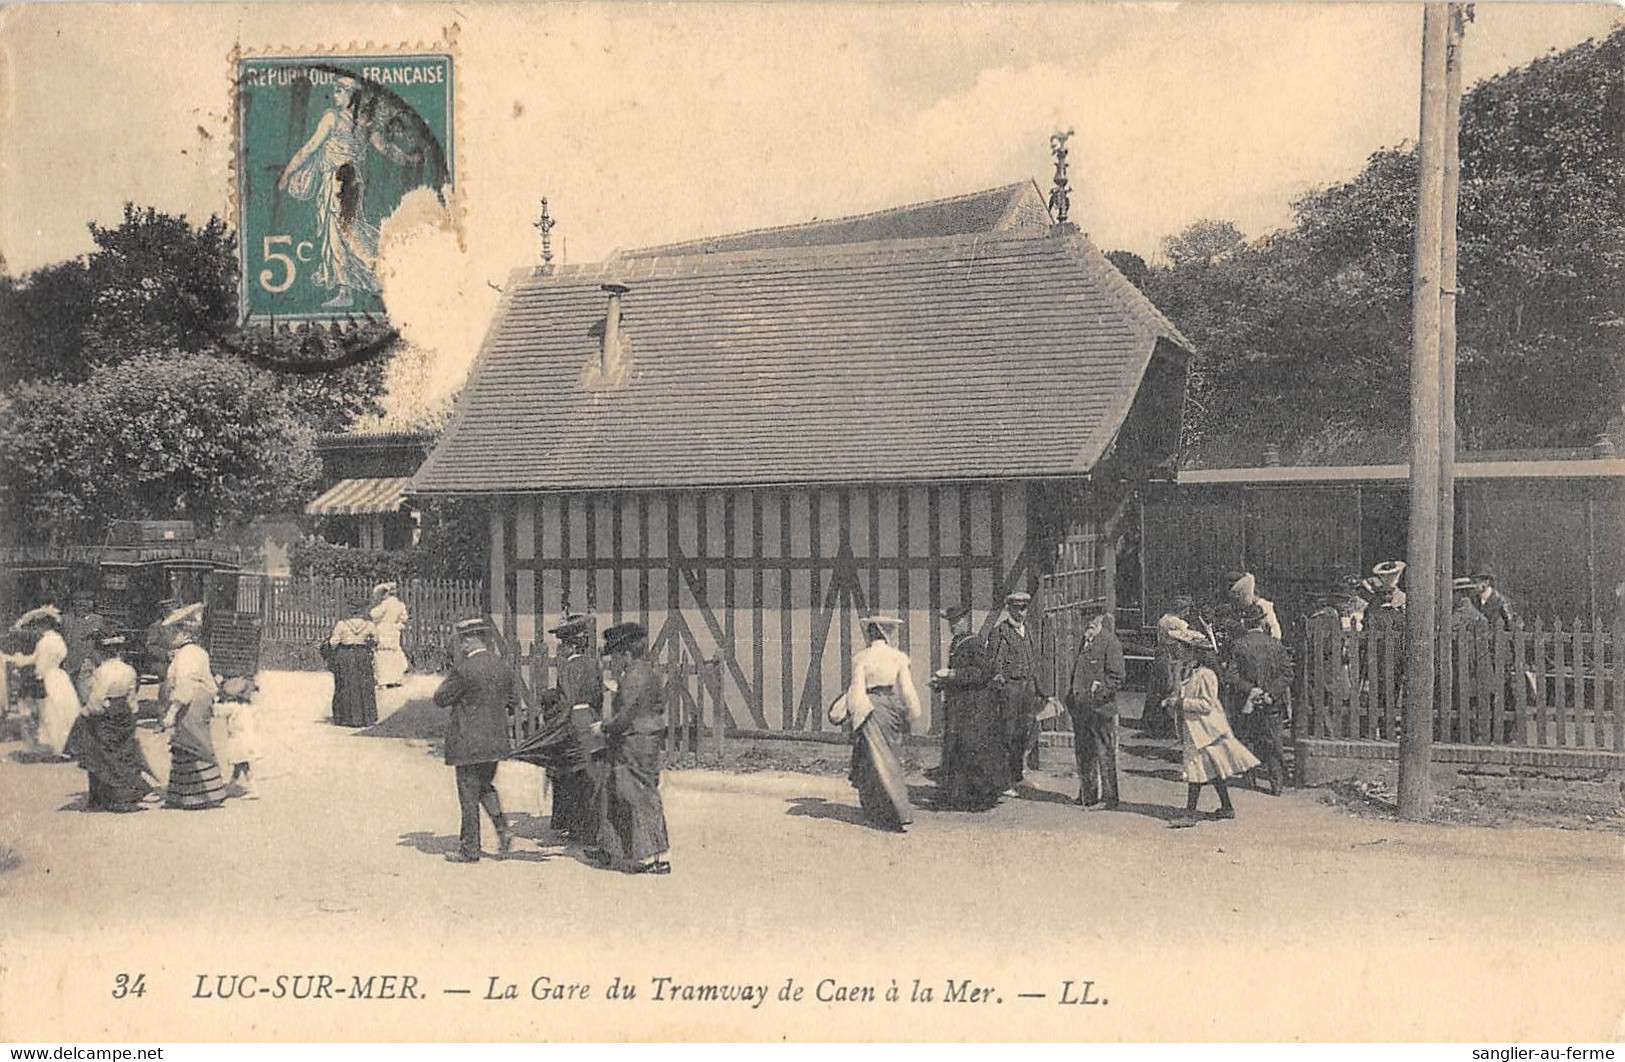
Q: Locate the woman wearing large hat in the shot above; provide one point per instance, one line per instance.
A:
(349, 653)
(103, 740)
(52, 700)
(1210, 751)
(194, 766)
(879, 702)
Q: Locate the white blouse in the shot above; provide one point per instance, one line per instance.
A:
(877, 664)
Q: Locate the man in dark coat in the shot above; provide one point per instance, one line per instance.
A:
(1017, 683)
(478, 691)
(580, 686)
(1254, 683)
(633, 817)
(975, 763)
(1491, 602)
(1091, 699)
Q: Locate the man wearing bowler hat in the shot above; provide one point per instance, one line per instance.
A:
(478, 692)
(1091, 699)
(1016, 681)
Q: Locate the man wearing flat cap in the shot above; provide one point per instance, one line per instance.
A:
(478, 692)
(1017, 683)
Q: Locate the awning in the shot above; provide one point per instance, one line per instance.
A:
(360, 497)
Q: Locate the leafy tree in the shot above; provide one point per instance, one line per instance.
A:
(1303, 336)
(42, 321)
(1131, 265)
(1202, 241)
(177, 435)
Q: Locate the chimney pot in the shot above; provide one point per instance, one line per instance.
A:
(611, 352)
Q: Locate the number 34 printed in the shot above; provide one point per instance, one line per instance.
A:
(125, 985)
(278, 258)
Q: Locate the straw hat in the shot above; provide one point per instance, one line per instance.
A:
(36, 616)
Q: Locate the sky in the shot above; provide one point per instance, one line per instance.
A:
(652, 123)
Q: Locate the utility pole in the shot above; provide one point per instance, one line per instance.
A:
(1416, 737)
(1459, 15)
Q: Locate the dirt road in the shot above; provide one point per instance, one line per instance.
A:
(1295, 921)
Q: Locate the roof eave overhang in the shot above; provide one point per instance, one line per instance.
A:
(801, 484)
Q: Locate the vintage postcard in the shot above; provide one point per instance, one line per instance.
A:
(822, 521)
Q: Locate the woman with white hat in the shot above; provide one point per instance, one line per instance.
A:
(1210, 751)
(55, 703)
(388, 616)
(194, 766)
(879, 701)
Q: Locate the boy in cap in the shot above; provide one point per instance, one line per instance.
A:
(478, 691)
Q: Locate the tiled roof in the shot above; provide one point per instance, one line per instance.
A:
(1015, 208)
(946, 359)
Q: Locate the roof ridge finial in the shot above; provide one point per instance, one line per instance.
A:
(1060, 198)
(544, 224)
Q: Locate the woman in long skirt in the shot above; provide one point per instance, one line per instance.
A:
(194, 766)
(103, 740)
(55, 704)
(975, 764)
(632, 827)
(1210, 751)
(388, 616)
(879, 703)
(350, 657)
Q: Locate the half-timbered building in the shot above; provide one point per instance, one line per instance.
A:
(745, 443)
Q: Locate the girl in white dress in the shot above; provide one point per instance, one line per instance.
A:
(1210, 751)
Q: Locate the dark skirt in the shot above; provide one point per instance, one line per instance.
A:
(975, 770)
(194, 782)
(355, 697)
(877, 773)
(104, 743)
(632, 821)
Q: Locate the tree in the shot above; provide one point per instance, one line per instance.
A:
(1303, 337)
(1203, 241)
(42, 322)
(1131, 265)
(158, 436)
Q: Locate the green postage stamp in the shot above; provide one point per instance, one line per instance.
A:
(327, 148)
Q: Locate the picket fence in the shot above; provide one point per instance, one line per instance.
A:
(1535, 685)
(302, 612)
(695, 714)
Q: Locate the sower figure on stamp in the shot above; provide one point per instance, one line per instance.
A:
(1091, 699)
(478, 691)
(633, 818)
(1016, 682)
(1254, 684)
(580, 688)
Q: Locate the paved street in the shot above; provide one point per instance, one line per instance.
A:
(1296, 920)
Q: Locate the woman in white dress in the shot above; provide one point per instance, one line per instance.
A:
(388, 615)
(1210, 751)
(879, 702)
(55, 704)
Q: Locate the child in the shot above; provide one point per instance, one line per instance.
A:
(236, 704)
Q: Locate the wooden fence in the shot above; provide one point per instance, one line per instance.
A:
(303, 611)
(1537, 686)
(694, 709)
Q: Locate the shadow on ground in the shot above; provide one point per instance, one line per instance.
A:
(436, 844)
(819, 808)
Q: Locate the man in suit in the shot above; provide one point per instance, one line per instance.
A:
(1091, 699)
(1016, 681)
(1254, 684)
(1491, 602)
(478, 691)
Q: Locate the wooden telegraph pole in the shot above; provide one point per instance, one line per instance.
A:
(1447, 347)
(1416, 737)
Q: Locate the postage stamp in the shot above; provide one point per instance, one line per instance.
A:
(327, 148)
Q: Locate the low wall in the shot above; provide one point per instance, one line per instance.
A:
(1513, 772)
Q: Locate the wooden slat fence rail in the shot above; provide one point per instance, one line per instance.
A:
(1557, 686)
(696, 717)
(303, 611)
